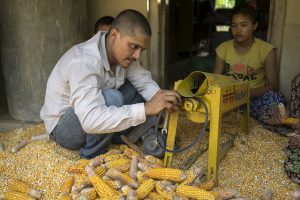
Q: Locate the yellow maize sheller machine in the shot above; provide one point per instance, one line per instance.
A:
(206, 97)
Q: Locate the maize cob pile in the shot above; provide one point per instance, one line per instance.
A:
(255, 162)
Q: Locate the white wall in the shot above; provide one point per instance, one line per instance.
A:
(290, 53)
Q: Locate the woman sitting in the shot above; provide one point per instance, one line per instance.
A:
(247, 58)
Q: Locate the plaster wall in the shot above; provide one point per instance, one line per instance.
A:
(33, 36)
(290, 59)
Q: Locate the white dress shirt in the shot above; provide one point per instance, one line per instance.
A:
(77, 80)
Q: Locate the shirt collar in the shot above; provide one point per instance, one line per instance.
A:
(102, 50)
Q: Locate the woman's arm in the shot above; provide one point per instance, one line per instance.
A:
(271, 72)
(219, 65)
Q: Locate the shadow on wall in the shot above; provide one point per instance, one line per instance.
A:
(3, 97)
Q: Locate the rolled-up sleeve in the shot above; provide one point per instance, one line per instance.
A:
(142, 81)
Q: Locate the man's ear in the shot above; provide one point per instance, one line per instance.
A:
(114, 33)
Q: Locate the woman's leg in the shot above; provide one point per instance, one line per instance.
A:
(295, 97)
(262, 109)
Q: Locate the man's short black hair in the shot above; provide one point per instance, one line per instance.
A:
(106, 20)
(128, 21)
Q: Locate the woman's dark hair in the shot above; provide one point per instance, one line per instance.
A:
(246, 10)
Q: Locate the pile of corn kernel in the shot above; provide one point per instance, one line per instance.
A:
(252, 165)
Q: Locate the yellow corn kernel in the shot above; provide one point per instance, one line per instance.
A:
(291, 121)
(194, 192)
(116, 174)
(67, 186)
(170, 174)
(102, 188)
(207, 185)
(113, 157)
(162, 192)
(89, 193)
(123, 147)
(154, 160)
(83, 162)
(13, 195)
(21, 186)
(117, 163)
(155, 196)
(100, 171)
(191, 175)
(145, 188)
(65, 197)
(75, 169)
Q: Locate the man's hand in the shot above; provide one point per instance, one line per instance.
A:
(163, 99)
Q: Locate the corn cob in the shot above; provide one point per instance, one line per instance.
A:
(145, 188)
(75, 193)
(120, 163)
(208, 185)
(2, 147)
(84, 183)
(194, 192)
(131, 195)
(41, 137)
(95, 162)
(290, 121)
(130, 152)
(125, 189)
(180, 197)
(154, 160)
(75, 169)
(225, 194)
(100, 170)
(115, 174)
(113, 198)
(133, 167)
(123, 147)
(83, 162)
(141, 177)
(116, 184)
(160, 188)
(113, 157)
(88, 193)
(171, 174)
(143, 166)
(15, 196)
(131, 145)
(102, 188)
(67, 186)
(19, 146)
(191, 175)
(21, 186)
(155, 196)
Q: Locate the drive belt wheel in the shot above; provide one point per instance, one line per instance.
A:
(151, 146)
